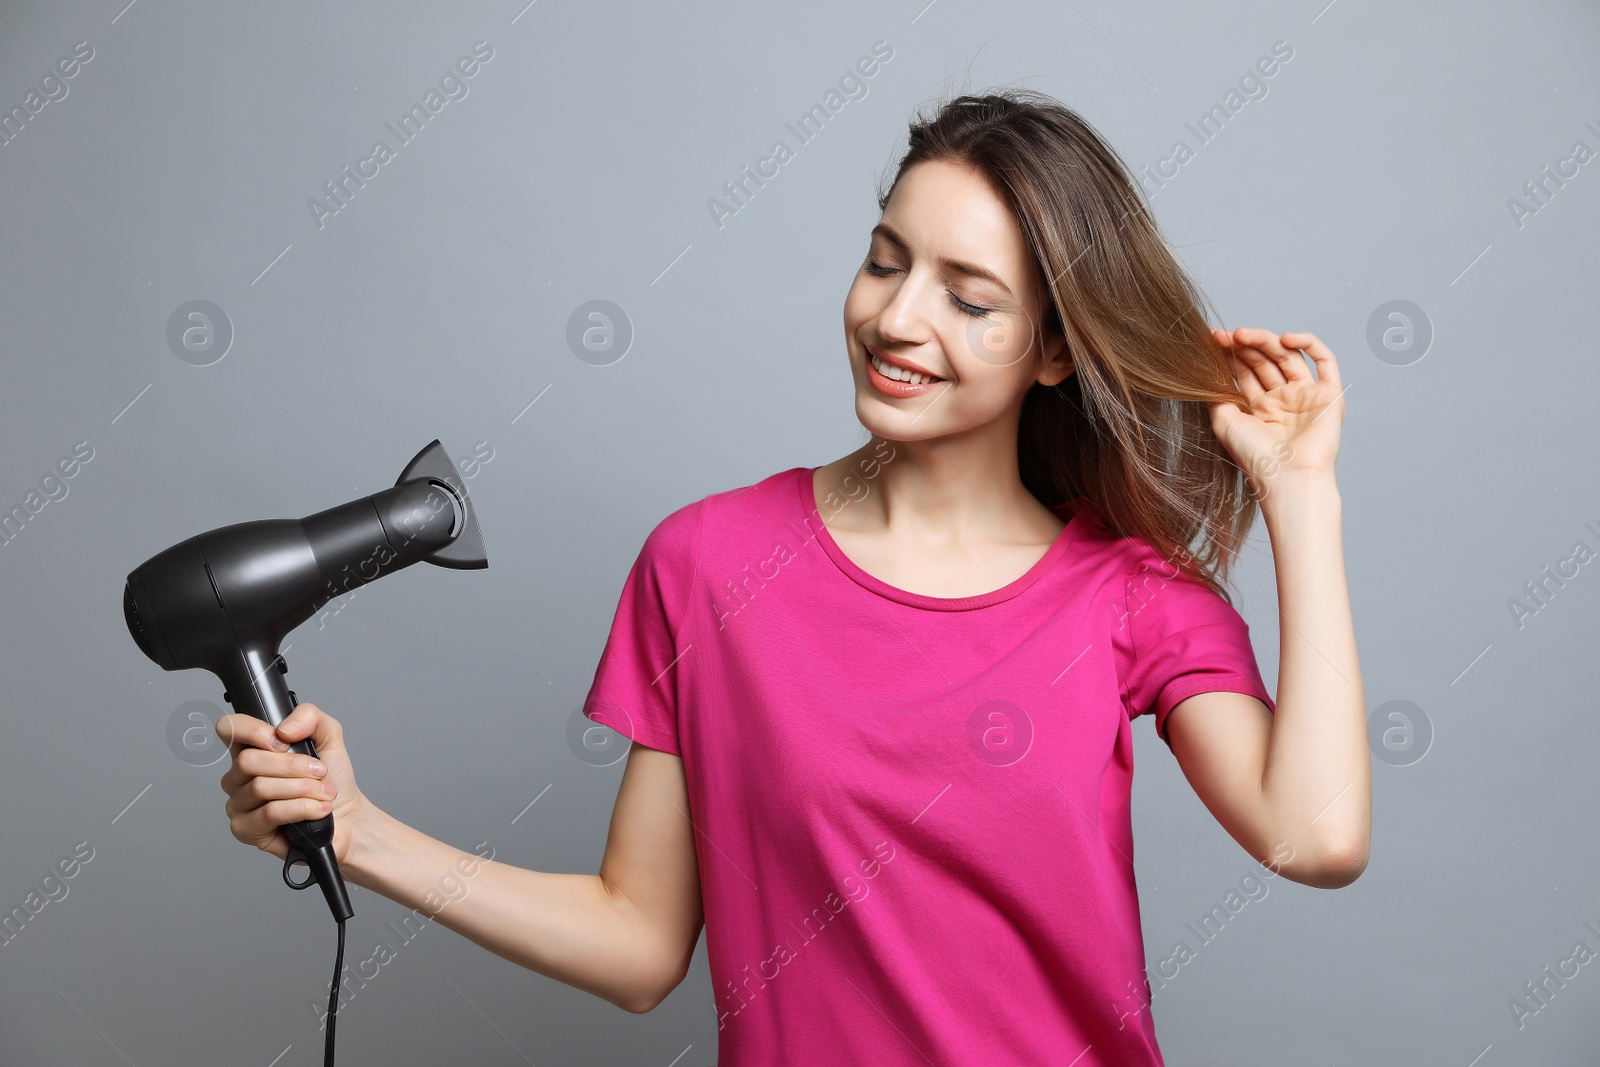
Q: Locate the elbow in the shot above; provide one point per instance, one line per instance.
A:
(645, 999)
(668, 975)
(1335, 866)
(638, 1000)
(641, 1005)
(644, 1002)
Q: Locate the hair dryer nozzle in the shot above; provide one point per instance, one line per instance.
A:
(466, 551)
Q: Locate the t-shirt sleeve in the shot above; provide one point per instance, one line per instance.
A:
(1178, 637)
(637, 683)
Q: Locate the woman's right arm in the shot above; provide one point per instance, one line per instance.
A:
(625, 934)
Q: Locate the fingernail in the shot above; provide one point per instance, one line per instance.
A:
(317, 768)
(280, 745)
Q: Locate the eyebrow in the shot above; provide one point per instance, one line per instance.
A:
(959, 266)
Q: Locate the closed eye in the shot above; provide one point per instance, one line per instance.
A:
(975, 310)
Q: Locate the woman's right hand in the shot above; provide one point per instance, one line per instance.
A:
(269, 786)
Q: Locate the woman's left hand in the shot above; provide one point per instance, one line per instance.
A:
(1289, 427)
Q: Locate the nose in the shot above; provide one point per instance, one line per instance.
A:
(904, 319)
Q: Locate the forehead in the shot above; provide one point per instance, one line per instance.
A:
(945, 209)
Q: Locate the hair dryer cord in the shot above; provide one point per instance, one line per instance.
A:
(333, 1000)
(319, 860)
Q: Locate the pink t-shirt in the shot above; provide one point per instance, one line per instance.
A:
(911, 813)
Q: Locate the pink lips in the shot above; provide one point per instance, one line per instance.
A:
(890, 387)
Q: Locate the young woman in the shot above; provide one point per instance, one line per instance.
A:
(883, 707)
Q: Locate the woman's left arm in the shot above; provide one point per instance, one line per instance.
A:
(1297, 781)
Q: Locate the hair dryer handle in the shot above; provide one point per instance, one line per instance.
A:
(256, 687)
(311, 843)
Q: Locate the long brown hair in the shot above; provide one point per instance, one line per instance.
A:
(1130, 429)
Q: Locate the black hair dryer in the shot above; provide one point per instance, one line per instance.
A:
(224, 600)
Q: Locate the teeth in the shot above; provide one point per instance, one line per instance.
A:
(900, 374)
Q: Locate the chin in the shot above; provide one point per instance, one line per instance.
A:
(890, 420)
(890, 424)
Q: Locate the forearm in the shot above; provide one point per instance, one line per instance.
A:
(570, 927)
(1316, 781)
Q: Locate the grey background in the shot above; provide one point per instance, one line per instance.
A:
(1377, 167)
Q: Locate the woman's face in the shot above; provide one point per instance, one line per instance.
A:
(922, 298)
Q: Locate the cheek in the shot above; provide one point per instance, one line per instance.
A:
(857, 309)
(1004, 341)
(997, 342)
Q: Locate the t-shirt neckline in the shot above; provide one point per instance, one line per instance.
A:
(811, 516)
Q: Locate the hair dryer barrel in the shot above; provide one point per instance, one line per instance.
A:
(196, 603)
(287, 569)
(358, 542)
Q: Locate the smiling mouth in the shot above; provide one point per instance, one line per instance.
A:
(898, 374)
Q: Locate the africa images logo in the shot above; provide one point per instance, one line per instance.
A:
(452, 86)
